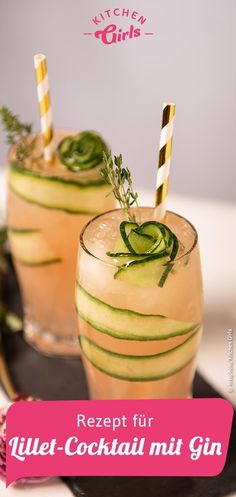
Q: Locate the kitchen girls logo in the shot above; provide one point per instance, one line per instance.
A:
(117, 25)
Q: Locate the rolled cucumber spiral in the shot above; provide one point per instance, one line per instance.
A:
(145, 253)
(82, 151)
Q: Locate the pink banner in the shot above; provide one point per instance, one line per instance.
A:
(172, 437)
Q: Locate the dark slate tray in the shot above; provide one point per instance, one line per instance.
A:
(63, 379)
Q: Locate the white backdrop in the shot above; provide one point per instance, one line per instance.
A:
(119, 89)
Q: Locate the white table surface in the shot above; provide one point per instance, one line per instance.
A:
(215, 222)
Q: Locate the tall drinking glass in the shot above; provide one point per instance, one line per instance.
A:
(48, 205)
(140, 325)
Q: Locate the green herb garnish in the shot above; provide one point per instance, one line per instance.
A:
(18, 134)
(120, 179)
(144, 253)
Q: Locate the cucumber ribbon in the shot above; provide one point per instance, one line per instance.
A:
(82, 151)
(149, 242)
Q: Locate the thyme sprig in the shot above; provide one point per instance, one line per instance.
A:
(120, 179)
(17, 133)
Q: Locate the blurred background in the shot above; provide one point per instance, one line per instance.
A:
(119, 89)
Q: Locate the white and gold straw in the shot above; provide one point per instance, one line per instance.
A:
(45, 108)
(163, 166)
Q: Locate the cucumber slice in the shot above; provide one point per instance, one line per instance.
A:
(141, 243)
(120, 247)
(154, 229)
(126, 324)
(121, 251)
(58, 193)
(30, 248)
(141, 368)
(160, 247)
(144, 273)
(120, 259)
(123, 257)
(125, 228)
(151, 228)
(64, 145)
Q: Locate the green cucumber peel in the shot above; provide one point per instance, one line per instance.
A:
(149, 257)
(140, 368)
(140, 357)
(55, 260)
(125, 229)
(141, 243)
(152, 228)
(58, 193)
(133, 263)
(127, 324)
(16, 167)
(134, 256)
(164, 276)
(22, 231)
(175, 247)
(30, 248)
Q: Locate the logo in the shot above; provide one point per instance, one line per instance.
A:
(117, 25)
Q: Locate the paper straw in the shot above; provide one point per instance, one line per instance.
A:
(44, 104)
(163, 166)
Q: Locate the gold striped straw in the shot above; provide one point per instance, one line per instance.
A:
(163, 166)
(45, 108)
